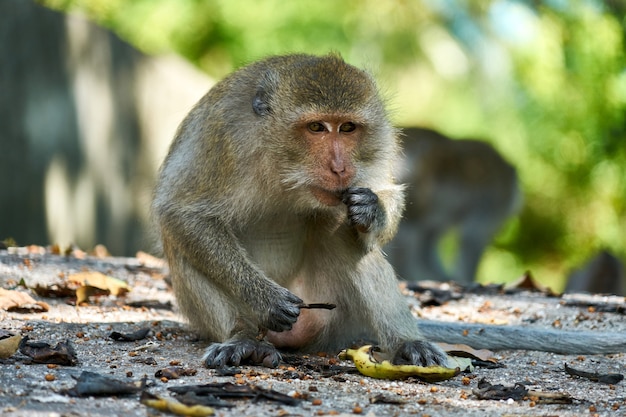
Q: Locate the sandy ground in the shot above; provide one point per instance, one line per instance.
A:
(323, 385)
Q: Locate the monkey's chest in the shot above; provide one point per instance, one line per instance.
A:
(278, 251)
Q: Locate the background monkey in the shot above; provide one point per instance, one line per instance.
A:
(602, 274)
(462, 184)
(278, 189)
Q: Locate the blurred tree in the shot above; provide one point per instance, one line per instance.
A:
(544, 80)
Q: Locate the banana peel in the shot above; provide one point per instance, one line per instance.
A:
(370, 362)
(175, 407)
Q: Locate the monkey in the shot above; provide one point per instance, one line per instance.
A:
(464, 185)
(602, 274)
(278, 193)
(278, 190)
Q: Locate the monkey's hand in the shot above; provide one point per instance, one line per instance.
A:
(419, 352)
(364, 210)
(281, 311)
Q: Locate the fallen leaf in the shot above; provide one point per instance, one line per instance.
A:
(175, 372)
(528, 282)
(96, 279)
(101, 252)
(464, 364)
(83, 293)
(21, 302)
(94, 384)
(93, 282)
(487, 391)
(41, 352)
(9, 344)
(468, 352)
(230, 390)
(130, 337)
(595, 376)
(150, 261)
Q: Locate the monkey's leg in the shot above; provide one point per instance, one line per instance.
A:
(213, 315)
(427, 254)
(401, 253)
(474, 236)
(388, 314)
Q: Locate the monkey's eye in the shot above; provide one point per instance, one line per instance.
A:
(316, 127)
(347, 127)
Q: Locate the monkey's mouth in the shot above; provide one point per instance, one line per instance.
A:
(327, 197)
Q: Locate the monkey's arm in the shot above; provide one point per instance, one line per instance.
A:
(212, 248)
(524, 338)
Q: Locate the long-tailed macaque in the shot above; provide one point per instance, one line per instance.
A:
(451, 184)
(602, 274)
(278, 191)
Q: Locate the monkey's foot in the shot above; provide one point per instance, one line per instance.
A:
(419, 352)
(237, 351)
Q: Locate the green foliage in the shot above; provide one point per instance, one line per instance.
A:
(574, 123)
(546, 83)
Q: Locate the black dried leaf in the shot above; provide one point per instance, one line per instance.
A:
(487, 391)
(175, 372)
(41, 352)
(230, 390)
(595, 376)
(94, 384)
(130, 337)
(228, 371)
(386, 399)
(146, 361)
(191, 399)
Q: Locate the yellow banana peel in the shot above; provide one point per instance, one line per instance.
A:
(174, 407)
(369, 363)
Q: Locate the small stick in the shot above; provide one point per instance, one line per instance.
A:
(325, 306)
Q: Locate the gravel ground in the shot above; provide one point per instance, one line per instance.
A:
(323, 385)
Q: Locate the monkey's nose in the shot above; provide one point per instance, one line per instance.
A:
(338, 168)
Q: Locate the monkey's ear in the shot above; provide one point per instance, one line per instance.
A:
(260, 102)
(264, 92)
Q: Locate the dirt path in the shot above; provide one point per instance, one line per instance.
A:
(319, 385)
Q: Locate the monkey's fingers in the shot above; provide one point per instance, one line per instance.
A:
(364, 209)
(282, 312)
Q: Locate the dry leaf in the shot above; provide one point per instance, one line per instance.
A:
(93, 282)
(467, 351)
(11, 300)
(9, 345)
(150, 260)
(42, 352)
(94, 384)
(528, 282)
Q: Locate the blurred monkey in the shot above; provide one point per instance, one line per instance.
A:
(603, 274)
(462, 184)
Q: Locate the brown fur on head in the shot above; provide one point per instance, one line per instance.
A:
(326, 107)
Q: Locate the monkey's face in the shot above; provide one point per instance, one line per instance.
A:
(337, 131)
(330, 142)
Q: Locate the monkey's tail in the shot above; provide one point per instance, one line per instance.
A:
(496, 337)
